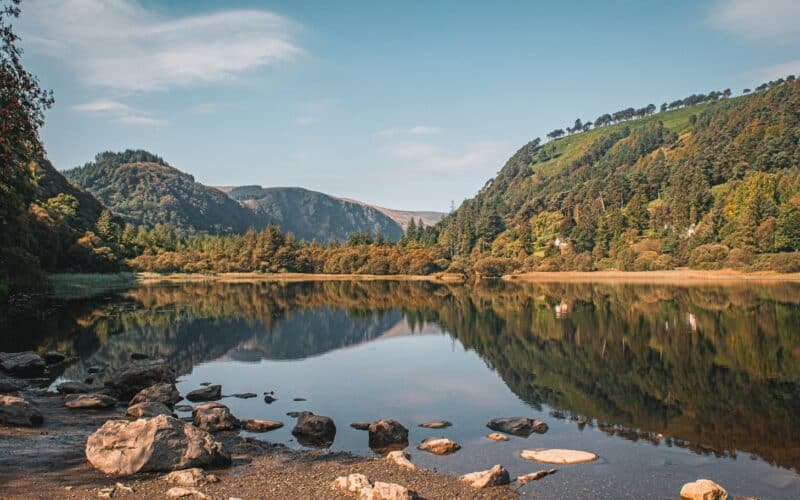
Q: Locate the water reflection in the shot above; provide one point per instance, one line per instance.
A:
(712, 368)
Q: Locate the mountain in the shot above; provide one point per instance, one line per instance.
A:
(310, 215)
(143, 189)
(712, 183)
(403, 217)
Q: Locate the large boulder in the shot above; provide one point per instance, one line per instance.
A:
(133, 377)
(26, 364)
(89, 401)
(209, 393)
(164, 392)
(213, 417)
(148, 409)
(703, 489)
(439, 446)
(314, 430)
(518, 426)
(385, 434)
(496, 476)
(161, 443)
(16, 411)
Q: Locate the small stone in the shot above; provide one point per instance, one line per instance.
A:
(314, 430)
(352, 483)
(89, 401)
(703, 489)
(190, 477)
(210, 393)
(269, 399)
(535, 476)
(294, 414)
(122, 487)
(400, 458)
(558, 456)
(299, 399)
(147, 410)
(180, 492)
(183, 407)
(205, 384)
(164, 392)
(496, 476)
(256, 425)
(360, 426)
(213, 417)
(245, 395)
(385, 434)
(385, 491)
(496, 436)
(439, 424)
(518, 426)
(439, 446)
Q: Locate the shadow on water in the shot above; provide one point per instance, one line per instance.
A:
(715, 369)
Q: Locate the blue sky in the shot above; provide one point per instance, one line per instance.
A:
(407, 105)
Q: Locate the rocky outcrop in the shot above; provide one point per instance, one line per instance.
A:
(17, 411)
(165, 393)
(400, 458)
(148, 409)
(439, 446)
(496, 476)
(558, 456)
(161, 443)
(314, 430)
(209, 393)
(24, 364)
(518, 426)
(133, 377)
(703, 489)
(93, 401)
(256, 425)
(386, 434)
(214, 417)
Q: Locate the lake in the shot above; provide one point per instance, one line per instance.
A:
(667, 384)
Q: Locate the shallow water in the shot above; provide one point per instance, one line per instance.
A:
(678, 383)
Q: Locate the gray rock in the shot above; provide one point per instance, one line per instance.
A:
(8, 384)
(54, 357)
(210, 393)
(361, 426)
(73, 387)
(27, 363)
(213, 417)
(314, 430)
(133, 377)
(165, 393)
(88, 401)
(183, 407)
(269, 399)
(439, 424)
(245, 395)
(17, 411)
(385, 434)
(148, 409)
(518, 426)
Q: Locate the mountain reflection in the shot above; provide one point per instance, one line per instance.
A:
(714, 368)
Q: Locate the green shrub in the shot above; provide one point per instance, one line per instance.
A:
(711, 256)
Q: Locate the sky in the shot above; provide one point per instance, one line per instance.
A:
(408, 105)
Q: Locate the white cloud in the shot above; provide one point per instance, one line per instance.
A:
(415, 130)
(139, 120)
(102, 106)
(758, 19)
(778, 70)
(121, 45)
(479, 154)
(116, 112)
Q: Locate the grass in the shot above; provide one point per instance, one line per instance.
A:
(83, 285)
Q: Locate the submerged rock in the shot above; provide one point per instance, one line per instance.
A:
(534, 476)
(255, 425)
(165, 393)
(213, 417)
(439, 446)
(703, 489)
(496, 476)
(439, 424)
(361, 426)
(496, 436)
(400, 458)
(387, 434)
(314, 430)
(89, 401)
(161, 443)
(245, 395)
(17, 411)
(148, 409)
(558, 456)
(518, 426)
(26, 364)
(269, 399)
(209, 393)
(133, 377)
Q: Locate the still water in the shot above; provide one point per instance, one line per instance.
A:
(677, 383)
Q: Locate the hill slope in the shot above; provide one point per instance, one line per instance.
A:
(310, 215)
(143, 189)
(403, 217)
(706, 185)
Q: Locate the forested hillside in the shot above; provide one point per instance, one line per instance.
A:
(143, 189)
(709, 185)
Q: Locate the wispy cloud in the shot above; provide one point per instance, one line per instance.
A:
(415, 130)
(122, 45)
(117, 112)
(479, 154)
(757, 19)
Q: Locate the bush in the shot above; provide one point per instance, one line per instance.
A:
(785, 262)
(742, 258)
(710, 256)
(492, 267)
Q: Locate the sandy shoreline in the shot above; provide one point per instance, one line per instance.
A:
(294, 277)
(675, 276)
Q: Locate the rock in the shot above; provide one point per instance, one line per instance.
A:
(73, 387)
(148, 409)
(89, 401)
(164, 392)
(54, 357)
(245, 395)
(518, 426)
(439, 446)
(26, 364)
(133, 377)
(496, 436)
(255, 425)
(496, 476)
(155, 444)
(269, 399)
(213, 417)
(184, 407)
(139, 356)
(535, 476)
(94, 369)
(294, 414)
(361, 426)
(400, 458)
(209, 393)
(8, 384)
(557, 456)
(385, 491)
(180, 492)
(17, 411)
(190, 477)
(439, 424)
(299, 399)
(205, 384)
(314, 430)
(387, 434)
(703, 489)
(352, 483)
